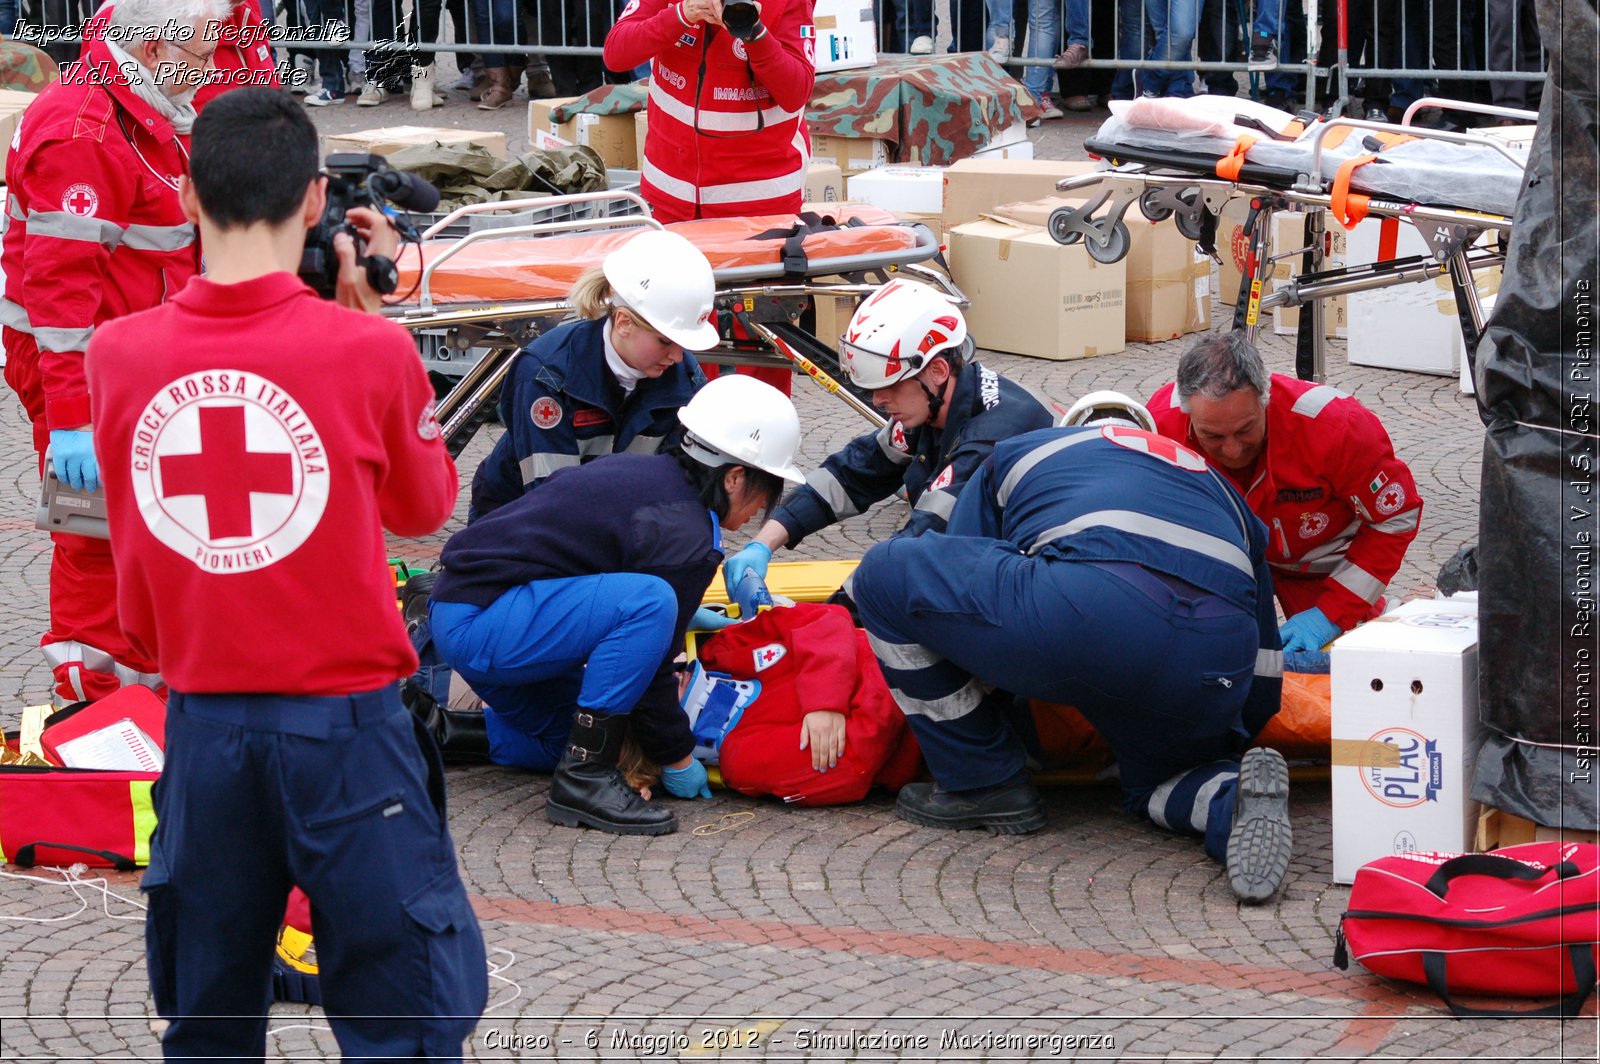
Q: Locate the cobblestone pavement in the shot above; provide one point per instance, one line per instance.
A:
(833, 934)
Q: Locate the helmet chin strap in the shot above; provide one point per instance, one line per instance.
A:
(935, 400)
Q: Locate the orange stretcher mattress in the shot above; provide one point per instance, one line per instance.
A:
(545, 267)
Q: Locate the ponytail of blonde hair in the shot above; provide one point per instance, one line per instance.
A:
(590, 295)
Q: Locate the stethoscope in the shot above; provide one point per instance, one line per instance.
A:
(133, 142)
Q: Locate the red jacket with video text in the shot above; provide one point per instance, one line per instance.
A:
(810, 657)
(1339, 507)
(727, 133)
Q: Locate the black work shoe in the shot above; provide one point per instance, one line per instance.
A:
(1004, 810)
(1260, 842)
(589, 790)
(1263, 53)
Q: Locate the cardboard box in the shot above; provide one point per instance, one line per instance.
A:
(1011, 142)
(1405, 733)
(1497, 828)
(1288, 234)
(615, 137)
(847, 35)
(12, 104)
(850, 154)
(824, 183)
(1168, 278)
(976, 186)
(1033, 296)
(391, 139)
(641, 125)
(1410, 327)
(900, 187)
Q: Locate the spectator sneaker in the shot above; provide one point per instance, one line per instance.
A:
(1263, 53)
(322, 98)
(372, 95)
(1377, 114)
(922, 45)
(1000, 50)
(1074, 57)
(302, 72)
(1048, 109)
(1260, 843)
(1008, 809)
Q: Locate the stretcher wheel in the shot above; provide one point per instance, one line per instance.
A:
(1150, 206)
(1114, 248)
(1060, 227)
(1189, 221)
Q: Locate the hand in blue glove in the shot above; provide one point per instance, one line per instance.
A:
(755, 556)
(1306, 661)
(73, 453)
(687, 782)
(706, 619)
(1308, 630)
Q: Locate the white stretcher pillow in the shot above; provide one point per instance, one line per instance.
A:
(1202, 116)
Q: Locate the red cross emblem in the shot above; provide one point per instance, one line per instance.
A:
(1169, 451)
(768, 656)
(80, 200)
(226, 472)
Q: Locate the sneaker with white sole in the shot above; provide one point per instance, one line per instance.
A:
(1260, 842)
(322, 98)
(1048, 109)
(372, 95)
(1000, 50)
(1263, 53)
(922, 45)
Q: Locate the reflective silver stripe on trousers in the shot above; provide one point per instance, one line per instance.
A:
(644, 445)
(1153, 527)
(1359, 582)
(1269, 663)
(827, 485)
(886, 445)
(96, 660)
(538, 466)
(938, 502)
(58, 340)
(903, 656)
(950, 707)
(1314, 401)
(1399, 523)
(1199, 814)
(1026, 463)
(715, 121)
(13, 316)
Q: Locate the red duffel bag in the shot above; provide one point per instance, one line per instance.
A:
(1523, 921)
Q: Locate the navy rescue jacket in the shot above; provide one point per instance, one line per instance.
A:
(627, 514)
(931, 464)
(562, 407)
(1119, 494)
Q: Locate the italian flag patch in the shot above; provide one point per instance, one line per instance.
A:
(1377, 482)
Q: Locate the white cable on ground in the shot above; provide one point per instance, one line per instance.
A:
(72, 879)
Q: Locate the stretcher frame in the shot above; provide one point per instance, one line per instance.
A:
(1163, 188)
(766, 303)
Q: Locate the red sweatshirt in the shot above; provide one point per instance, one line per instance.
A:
(255, 441)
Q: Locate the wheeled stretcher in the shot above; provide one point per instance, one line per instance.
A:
(1458, 190)
(481, 298)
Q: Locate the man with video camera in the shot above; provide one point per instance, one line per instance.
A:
(255, 442)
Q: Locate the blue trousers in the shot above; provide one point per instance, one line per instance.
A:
(345, 797)
(1160, 671)
(544, 649)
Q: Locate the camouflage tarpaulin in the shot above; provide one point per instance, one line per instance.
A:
(934, 108)
(24, 68)
(472, 175)
(606, 100)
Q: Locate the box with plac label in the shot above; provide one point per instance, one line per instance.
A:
(1405, 733)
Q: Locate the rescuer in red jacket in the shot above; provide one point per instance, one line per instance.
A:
(1318, 469)
(242, 55)
(97, 232)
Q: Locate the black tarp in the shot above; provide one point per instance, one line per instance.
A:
(1538, 379)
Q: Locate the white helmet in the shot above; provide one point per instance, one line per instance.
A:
(740, 419)
(667, 282)
(894, 333)
(1097, 405)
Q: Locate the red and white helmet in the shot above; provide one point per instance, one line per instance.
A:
(897, 330)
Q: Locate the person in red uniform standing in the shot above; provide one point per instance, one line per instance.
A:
(243, 53)
(97, 233)
(1316, 466)
(248, 489)
(727, 134)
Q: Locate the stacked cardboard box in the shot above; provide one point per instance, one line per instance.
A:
(1288, 235)
(615, 137)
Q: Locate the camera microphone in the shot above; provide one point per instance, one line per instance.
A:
(406, 191)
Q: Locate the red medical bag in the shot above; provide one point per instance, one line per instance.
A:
(61, 816)
(1523, 921)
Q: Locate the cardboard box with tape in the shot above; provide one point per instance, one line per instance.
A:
(976, 186)
(1405, 733)
(391, 139)
(1033, 296)
(1168, 280)
(615, 137)
(852, 155)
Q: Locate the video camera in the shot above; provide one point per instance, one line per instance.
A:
(356, 179)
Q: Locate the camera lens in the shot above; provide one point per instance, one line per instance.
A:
(742, 19)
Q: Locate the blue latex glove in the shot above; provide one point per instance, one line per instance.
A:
(73, 453)
(687, 782)
(1306, 661)
(1308, 630)
(754, 557)
(706, 619)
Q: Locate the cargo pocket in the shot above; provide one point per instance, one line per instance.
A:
(160, 938)
(457, 980)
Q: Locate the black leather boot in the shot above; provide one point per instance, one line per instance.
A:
(588, 789)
